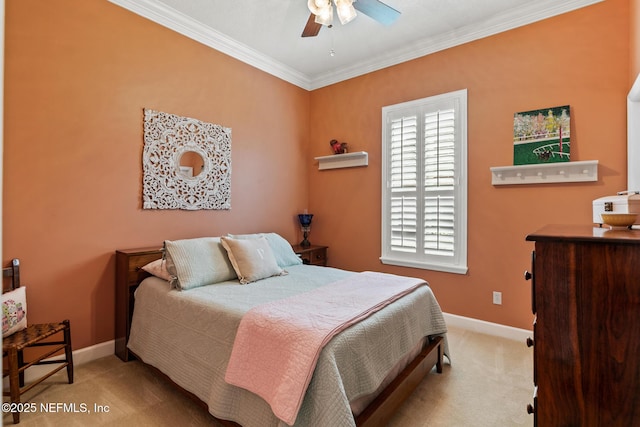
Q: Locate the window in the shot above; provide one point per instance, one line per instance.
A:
(424, 183)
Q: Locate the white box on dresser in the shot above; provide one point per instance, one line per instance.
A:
(623, 202)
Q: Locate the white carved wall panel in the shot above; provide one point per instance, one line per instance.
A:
(168, 184)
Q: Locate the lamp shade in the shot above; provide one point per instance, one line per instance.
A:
(317, 6)
(305, 219)
(323, 10)
(346, 11)
(325, 17)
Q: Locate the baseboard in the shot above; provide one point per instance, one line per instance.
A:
(488, 328)
(88, 354)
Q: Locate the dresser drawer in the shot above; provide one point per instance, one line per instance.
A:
(312, 255)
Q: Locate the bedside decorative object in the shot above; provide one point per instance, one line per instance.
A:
(305, 224)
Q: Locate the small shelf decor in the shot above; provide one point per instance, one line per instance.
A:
(346, 160)
(545, 173)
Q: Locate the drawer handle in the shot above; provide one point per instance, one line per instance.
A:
(527, 275)
(530, 409)
(530, 342)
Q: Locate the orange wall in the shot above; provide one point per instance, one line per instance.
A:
(579, 58)
(78, 74)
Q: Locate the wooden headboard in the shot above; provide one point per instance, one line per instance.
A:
(129, 274)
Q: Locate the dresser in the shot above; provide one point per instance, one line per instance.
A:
(585, 297)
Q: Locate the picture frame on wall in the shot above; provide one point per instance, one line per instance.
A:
(542, 136)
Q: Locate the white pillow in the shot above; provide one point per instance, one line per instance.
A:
(197, 262)
(158, 268)
(252, 259)
(282, 250)
(14, 311)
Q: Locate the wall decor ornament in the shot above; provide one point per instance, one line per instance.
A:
(542, 136)
(186, 163)
(338, 147)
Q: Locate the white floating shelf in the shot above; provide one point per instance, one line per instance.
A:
(346, 160)
(545, 173)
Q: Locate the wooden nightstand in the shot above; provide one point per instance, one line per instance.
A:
(313, 255)
(128, 276)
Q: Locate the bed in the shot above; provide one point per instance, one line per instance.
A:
(187, 333)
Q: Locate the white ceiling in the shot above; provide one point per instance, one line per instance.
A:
(266, 33)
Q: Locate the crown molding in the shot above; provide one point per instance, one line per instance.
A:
(183, 24)
(176, 21)
(499, 24)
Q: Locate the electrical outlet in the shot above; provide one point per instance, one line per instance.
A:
(497, 298)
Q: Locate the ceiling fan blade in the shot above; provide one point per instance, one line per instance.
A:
(312, 28)
(377, 10)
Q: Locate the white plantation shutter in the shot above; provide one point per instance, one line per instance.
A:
(404, 179)
(439, 169)
(424, 183)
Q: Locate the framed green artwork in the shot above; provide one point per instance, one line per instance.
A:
(542, 136)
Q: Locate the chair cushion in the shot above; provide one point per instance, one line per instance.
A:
(14, 311)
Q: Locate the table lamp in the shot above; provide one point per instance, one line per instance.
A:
(305, 225)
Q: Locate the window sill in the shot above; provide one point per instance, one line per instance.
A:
(457, 269)
(545, 173)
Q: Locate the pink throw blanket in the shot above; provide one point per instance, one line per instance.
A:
(278, 343)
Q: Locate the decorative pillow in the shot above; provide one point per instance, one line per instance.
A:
(197, 262)
(14, 311)
(282, 250)
(159, 269)
(252, 259)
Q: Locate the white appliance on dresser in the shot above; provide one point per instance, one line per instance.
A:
(623, 202)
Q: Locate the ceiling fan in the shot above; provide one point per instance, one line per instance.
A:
(322, 13)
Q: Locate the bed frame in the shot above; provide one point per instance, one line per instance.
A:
(129, 275)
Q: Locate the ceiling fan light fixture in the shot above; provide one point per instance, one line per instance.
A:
(322, 9)
(322, 13)
(346, 11)
(325, 16)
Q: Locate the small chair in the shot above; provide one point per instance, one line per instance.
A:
(32, 336)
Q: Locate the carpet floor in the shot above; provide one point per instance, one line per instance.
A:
(488, 383)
